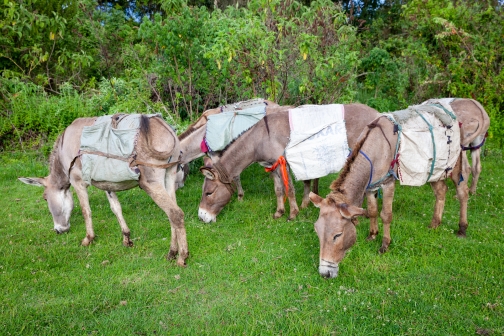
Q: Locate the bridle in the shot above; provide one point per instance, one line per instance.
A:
(228, 182)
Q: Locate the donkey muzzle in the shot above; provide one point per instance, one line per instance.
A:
(328, 269)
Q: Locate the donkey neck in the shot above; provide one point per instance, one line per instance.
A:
(190, 145)
(353, 185)
(58, 173)
(264, 142)
(369, 164)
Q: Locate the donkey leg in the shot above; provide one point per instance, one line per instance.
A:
(439, 189)
(279, 192)
(81, 191)
(239, 188)
(291, 195)
(459, 177)
(372, 210)
(476, 169)
(386, 214)
(315, 185)
(117, 210)
(176, 216)
(149, 181)
(306, 194)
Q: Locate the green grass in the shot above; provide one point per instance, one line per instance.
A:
(247, 273)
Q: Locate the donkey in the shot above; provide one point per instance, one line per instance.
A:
(156, 144)
(335, 227)
(264, 143)
(190, 141)
(476, 123)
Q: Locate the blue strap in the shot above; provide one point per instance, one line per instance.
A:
(433, 145)
(371, 174)
(446, 111)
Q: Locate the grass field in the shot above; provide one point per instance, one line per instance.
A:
(247, 273)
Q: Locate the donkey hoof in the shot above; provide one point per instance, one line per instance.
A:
(181, 263)
(128, 243)
(171, 255)
(371, 237)
(304, 204)
(434, 224)
(278, 214)
(86, 241)
(383, 249)
(461, 234)
(293, 216)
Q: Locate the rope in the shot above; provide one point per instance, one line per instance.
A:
(444, 109)
(224, 177)
(371, 163)
(283, 170)
(395, 161)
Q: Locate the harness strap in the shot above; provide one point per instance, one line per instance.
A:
(224, 177)
(464, 148)
(433, 142)
(371, 163)
(283, 170)
(395, 161)
(131, 160)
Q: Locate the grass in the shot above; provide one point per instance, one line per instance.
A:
(247, 273)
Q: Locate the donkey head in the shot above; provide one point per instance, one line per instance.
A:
(59, 200)
(215, 193)
(336, 231)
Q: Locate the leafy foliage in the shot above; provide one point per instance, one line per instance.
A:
(179, 58)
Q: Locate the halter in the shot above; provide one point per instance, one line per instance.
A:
(224, 177)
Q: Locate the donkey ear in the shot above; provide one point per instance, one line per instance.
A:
(208, 172)
(207, 161)
(351, 211)
(34, 181)
(316, 199)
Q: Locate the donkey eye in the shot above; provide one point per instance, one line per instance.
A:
(208, 194)
(337, 235)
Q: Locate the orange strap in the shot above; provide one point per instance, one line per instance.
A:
(283, 169)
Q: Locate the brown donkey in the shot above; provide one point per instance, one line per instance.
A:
(476, 123)
(264, 143)
(156, 145)
(190, 140)
(335, 228)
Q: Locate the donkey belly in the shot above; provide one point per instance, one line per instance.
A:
(114, 186)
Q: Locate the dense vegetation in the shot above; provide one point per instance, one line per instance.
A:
(61, 59)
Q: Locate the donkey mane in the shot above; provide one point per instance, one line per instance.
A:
(336, 184)
(191, 129)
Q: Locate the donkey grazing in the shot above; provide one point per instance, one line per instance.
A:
(372, 165)
(264, 143)
(191, 139)
(156, 144)
(476, 123)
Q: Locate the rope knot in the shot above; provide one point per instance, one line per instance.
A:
(283, 170)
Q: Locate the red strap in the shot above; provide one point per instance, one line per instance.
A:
(394, 162)
(283, 169)
(203, 146)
